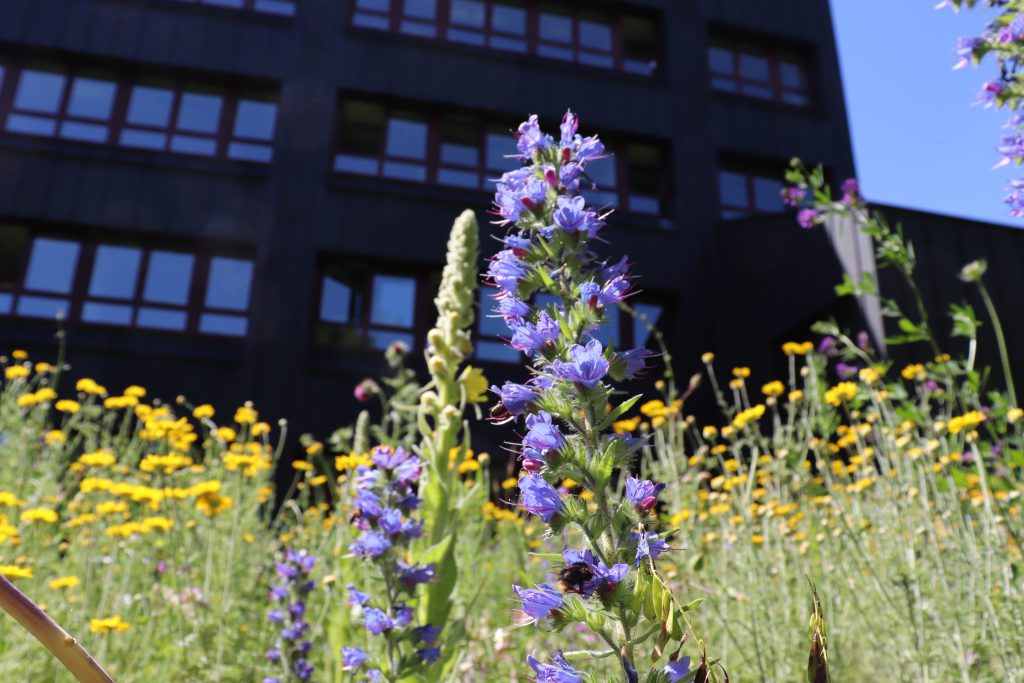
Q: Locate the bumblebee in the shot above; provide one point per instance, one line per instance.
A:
(574, 577)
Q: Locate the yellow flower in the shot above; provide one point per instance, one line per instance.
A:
(89, 386)
(64, 582)
(314, 448)
(774, 388)
(626, 426)
(226, 434)
(67, 406)
(318, 480)
(212, 504)
(509, 483)
(135, 391)
(710, 432)
(43, 368)
(707, 358)
(797, 349)
(741, 372)
(109, 624)
(100, 458)
(474, 384)
(468, 466)
(39, 515)
(1014, 414)
(569, 483)
(109, 507)
(654, 408)
(914, 371)
(260, 428)
(246, 415)
(747, 416)
(16, 372)
(736, 384)
(203, 411)
(158, 523)
(19, 354)
(869, 375)
(965, 422)
(795, 396)
(840, 393)
(302, 465)
(757, 539)
(13, 572)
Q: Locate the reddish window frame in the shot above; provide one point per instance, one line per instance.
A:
(194, 308)
(247, 5)
(392, 19)
(425, 282)
(749, 177)
(432, 164)
(117, 120)
(778, 90)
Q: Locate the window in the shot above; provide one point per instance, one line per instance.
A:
(461, 151)
(492, 332)
(285, 8)
(753, 71)
(561, 31)
(362, 307)
(128, 285)
(745, 193)
(162, 117)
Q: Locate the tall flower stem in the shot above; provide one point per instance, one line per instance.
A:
(58, 641)
(997, 327)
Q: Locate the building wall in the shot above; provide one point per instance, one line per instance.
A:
(288, 211)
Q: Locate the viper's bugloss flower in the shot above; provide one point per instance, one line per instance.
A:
(648, 545)
(588, 365)
(1015, 199)
(851, 191)
(559, 671)
(428, 633)
(292, 643)
(356, 597)
(569, 126)
(543, 435)
(571, 216)
(511, 309)
(988, 93)
(677, 670)
(389, 458)
(370, 544)
(530, 138)
(808, 218)
(965, 48)
(635, 361)
(793, 196)
(539, 497)
(515, 397)
(642, 493)
(412, 575)
(505, 270)
(429, 655)
(529, 338)
(352, 658)
(540, 602)
(376, 621)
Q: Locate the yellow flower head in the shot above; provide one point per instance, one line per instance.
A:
(840, 393)
(474, 384)
(773, 389)
(68, 406)
(19, 354)
(108, 625)
(509, 483)
(1014, 414)
(100, 458)
(747, 416)
(302, 465)
(64, 582)
(914, 371)
(710, 432)
(626, 426)
(13, 372)
(707, 358)
(135, 391)
(870, 375)
(314, 448)
(246, 415)
(226, 434)
(39, 515)
(89, 386)
(203, 411)
(741, 372)
(797, 348)
(13, 572)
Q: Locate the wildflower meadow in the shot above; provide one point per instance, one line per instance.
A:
(853, 519)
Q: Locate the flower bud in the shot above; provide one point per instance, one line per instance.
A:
(366, 390)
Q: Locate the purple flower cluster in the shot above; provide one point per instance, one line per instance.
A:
(384, 502)
(289, 593)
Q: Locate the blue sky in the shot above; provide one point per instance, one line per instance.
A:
(917, 140)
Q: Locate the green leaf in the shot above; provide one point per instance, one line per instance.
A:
(437, 598)
(619, 411)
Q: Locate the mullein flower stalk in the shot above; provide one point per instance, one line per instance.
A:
(608, 579)
(58, 641)
(384, 504)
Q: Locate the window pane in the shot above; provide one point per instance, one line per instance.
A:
(458, 178)
(602, 172)
(792, 75)
(51, 267)
(754, 67)
(418, 28)
(6, 301)
(42, 307)
(230, 325)
(593, 59)
(91, 99)
(555, 52)
(508, 19)
(131, 137)
(247, 151)
(767, 195)
(88, 132)
(190, 144)
(724, 84)
(498, 146)
(421, 9)
(510, 44)
(721, 60)
(468, 13)
(199, 113)
(382, 339)
(362, 128)
(115, 272)
(31, 125)
(380, 5)
(285, 8)
(595, 36)
(393, 301)
(732, 189)
(794, 98)
(644, 204)
(110, 314)
(346, 163)
(608, 333)
(496, 351)
(39, 91)
(490, 323)
(396, 169)
(161, 319)
(335, 301)
(255, 119)
(555, 28)
(461, 155)
(150, 106)
(407, 138)
(370, 21)
(168, 277)
(641, 334)
(762, 91)
(229, 283)
(465, 36)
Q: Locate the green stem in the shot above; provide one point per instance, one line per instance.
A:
(1000, 339)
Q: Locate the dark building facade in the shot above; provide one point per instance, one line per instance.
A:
(245, 198)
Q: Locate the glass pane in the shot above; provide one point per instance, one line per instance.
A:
(87, 132)
(642, 68)
(150, 106)
(115, 272)
(51, 267)
(490, 323)
(644, 204)
(601, 60)
(229, 283)
(168, 277)
(255, 119)
(724, 84)
(131, 137)
(792, 75)
(396, 169)
(39, 91)
(458, 178)
(555, 28)
(728, 214)
(496, 351)
(794, 98)
(370, 21)
(382, 339)
(31, 125)
(602, 172)
(754, 67)
(767, 195)
(421, 9)
(230, 325)
(762, 91)
(379, 5)
(161, 319)
(555, 52)
(285, 8)
(110, 314)
(608, 333)
(190, 144)
(418, 28)
(407, 138)
(721, 60)
(335, 301)
(199, 113)
(393, 302)
(465, 36)
(91, 99)
(595, 36)
(506, 19)
(42, 307)
(510, 44)
(640, 332)
(247, 151)
(346, 163)
(6, 301)
(498, 146)
(471, 13)
(460, 155)
(732, 189)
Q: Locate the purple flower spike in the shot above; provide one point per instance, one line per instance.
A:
(793, 196)
(808, 218)
(677, 670)
(515, 397)
(352, 658)
(531, 137)
(588, 364)
(539, 497)
(636, 361)
(370, 544)
(559, 671)
(539, 602)
(642, 493)
(648, 545)
(543, 435)
(376, 621)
